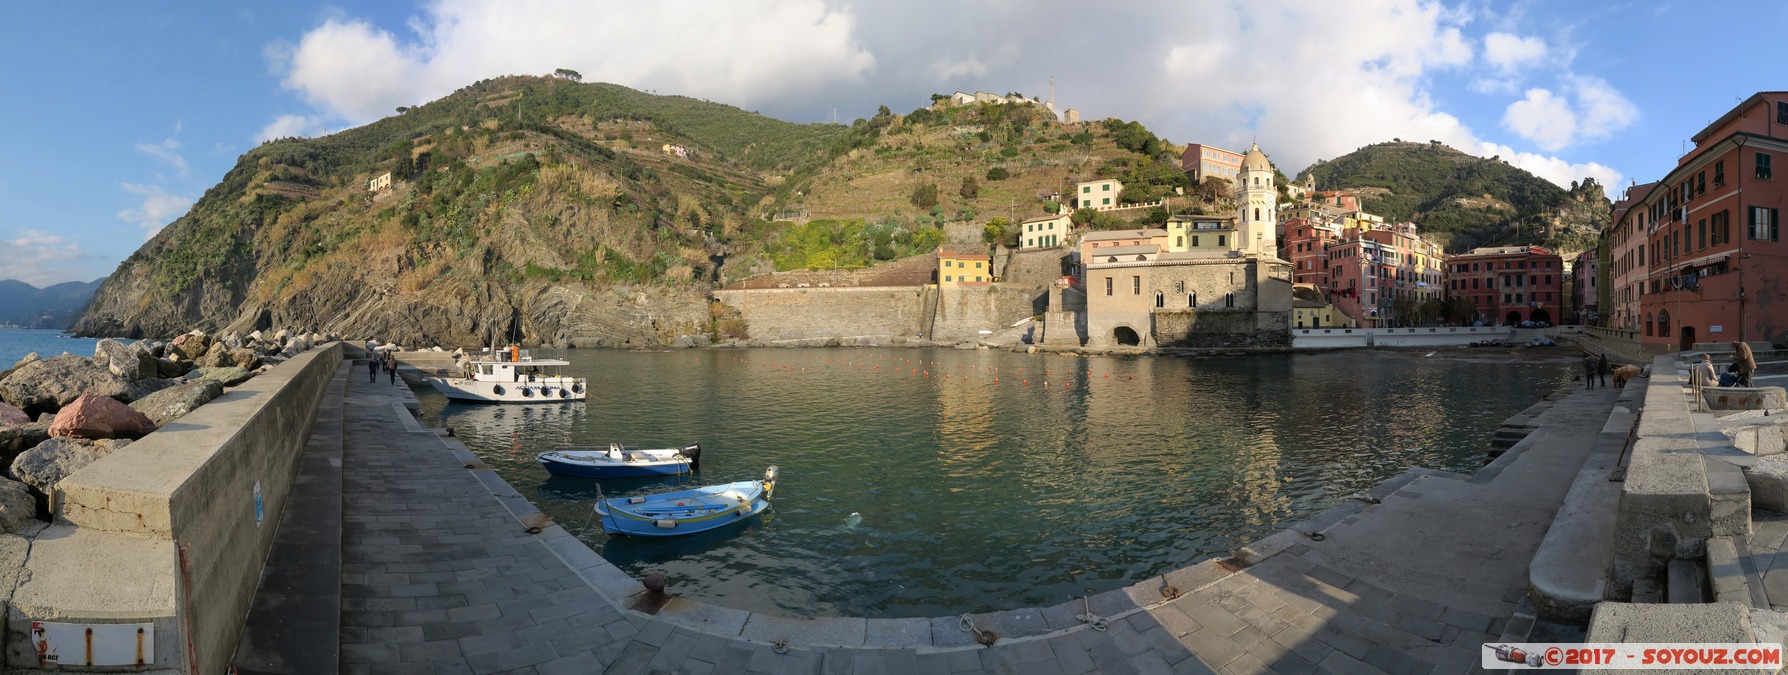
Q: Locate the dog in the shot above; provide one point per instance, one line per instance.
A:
(1624, 373)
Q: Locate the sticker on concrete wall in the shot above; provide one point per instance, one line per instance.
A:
(104, 644)
(258, 510)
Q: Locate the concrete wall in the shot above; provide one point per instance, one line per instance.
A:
(1675, 492)
(804, 313)
(963, 312)
(901, 311)
(1438, 336)
(189, 489)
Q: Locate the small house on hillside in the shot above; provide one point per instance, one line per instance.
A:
(379, 183)
(1044, 232)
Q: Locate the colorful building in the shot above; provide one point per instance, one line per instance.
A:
(963, 269)
(1584, 270)
(1204, 160)
(1044, 232)
(1208, 234)
(1310, 310)
(1509, 284)
(1099, 195)
(1305, 244)
(1382, 276)
(1625, 239)
(1092, 243)
(1713, 250)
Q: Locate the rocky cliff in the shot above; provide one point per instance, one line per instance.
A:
(519, 208)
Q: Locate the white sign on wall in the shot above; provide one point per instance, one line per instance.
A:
(1716, 329)
(98, 644)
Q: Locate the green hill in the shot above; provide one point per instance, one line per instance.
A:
(558, 212)
(514, 200)
(1464, 201)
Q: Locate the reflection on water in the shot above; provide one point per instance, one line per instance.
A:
(932, 482)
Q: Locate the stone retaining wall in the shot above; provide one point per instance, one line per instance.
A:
(900, 311)
(175, 519)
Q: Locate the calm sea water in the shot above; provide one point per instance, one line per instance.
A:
(974, 486)
(15, 343)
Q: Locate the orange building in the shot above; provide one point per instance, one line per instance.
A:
(1713, 248)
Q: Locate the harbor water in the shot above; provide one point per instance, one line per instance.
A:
(922, 482)
(15, 343)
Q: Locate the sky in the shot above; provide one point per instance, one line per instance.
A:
(119, 116)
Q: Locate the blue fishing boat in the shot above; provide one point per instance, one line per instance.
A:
(617, 461)
(687, 511)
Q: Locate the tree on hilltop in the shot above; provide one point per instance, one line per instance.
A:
(569, 74)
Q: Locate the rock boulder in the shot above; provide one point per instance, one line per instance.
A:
(44, 466)
(17, 439)
(33, 356)
(12, 417)
(18, 509)
(147, 386)
(98, 417)
(228, 377)
(245, 359)
(191, 346)
(169, 404)
(123, 361)
(48, 384)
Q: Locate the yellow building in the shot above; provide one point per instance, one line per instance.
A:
(1201, 234)
(1310, 310)
(958, 269)
(1100, 195)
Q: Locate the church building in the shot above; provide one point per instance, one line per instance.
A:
(1202, 281)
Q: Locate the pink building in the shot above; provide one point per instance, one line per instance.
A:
(1379, 277)
(1305, 245)
(1509, 284)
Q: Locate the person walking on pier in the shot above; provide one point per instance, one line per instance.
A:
(372, 368)
(391, 366)
(1589, 370)
(1744, 363)
(1603, 369)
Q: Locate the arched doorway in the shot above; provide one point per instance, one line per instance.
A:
(1688, 338)
(1539, 315)
(1663, 323)
(1513, 319)
(1126, 336)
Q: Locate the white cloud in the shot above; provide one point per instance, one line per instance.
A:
(1509, 53)
(168, 152)
(745, 52)
(289, 126)
(1305, 79)
(1553, 169)
(1542, 117)
(41, 259)
(1554, 123)
(1603, 109)
(157, 210)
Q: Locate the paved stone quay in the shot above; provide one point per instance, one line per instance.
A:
(437, 575)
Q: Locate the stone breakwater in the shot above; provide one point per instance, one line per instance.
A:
(61, 413)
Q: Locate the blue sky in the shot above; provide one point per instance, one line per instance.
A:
(120, 115)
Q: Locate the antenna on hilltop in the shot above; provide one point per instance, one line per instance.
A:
(1051, 91)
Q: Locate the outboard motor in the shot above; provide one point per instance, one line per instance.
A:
(694, 452)
(770, 481)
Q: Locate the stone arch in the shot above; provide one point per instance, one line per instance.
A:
(1126, 336)
(1539, 315)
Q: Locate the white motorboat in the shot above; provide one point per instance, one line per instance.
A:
(512, 375)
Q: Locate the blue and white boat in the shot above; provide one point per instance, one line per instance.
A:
(617, 461)
(687, 511)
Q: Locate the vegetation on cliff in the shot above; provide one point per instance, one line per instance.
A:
(542, 209)
(1464, 201)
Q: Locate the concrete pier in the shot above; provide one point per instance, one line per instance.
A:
(438, 574)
